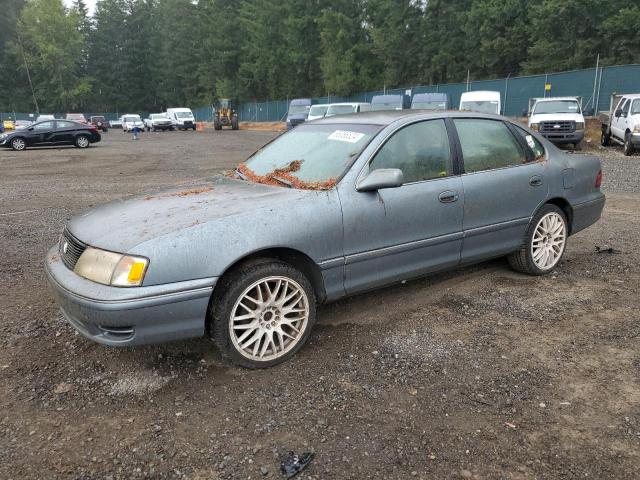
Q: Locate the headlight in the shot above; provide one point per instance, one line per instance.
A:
(535, 127)
(579, 125)
(110, 268)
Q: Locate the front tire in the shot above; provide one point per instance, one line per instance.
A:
(545, 243)
(263, 313)
(18, 144)
(628, 146)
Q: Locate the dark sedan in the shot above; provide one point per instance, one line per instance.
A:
(51, 132)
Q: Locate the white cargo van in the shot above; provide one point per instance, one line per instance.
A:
(481, 101)
(182, 118)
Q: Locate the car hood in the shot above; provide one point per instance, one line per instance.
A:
(123, 224)
(555, 117)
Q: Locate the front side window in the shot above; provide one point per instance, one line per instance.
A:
(487, 144)
(43, 126)
(420, 150)
(627, 105)
(311, 157)
(635, 108)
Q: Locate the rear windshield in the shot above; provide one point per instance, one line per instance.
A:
(341, 109)
(556, 106)
(386, 106)
(318, 110)
(132, 118)
(298, 109)
(184, 114)
(429, 105)
(310, 156)
(481, 106)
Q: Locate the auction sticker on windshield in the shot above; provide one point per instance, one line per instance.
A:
(346, 136)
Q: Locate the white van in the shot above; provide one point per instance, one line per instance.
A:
(345, 108)
(181, 118)
(482, 101)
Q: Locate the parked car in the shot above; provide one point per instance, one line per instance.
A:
(430, 101)
(621, 124)
(8, 125)
(181, 118)
(99, 122)
(158, 121)
(388, 102)
(51, 132)
(346, 108)
(377, 198)
(298, 112)
(22, 124)
(558, 119)
(317, 111)
(130, 121)
(481, 101)
(116, 123)
(76, 117)
(42, 118)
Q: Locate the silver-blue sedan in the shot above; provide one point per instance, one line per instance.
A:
(332, 208)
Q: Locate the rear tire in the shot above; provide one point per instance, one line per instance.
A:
(82, 141)
(605, 139)
(628, 146)
(262, 313)
(234, 123)
(545, 242)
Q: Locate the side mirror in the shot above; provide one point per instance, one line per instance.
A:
(618, 113)
(30, 129)
(381, 178)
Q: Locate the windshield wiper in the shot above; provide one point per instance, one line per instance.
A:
(283, 181)
(240, 174)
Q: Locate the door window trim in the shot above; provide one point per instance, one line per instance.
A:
(451, 164)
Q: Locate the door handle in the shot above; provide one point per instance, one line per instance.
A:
(535, 181)
(448, 196)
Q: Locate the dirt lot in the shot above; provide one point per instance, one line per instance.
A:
(477, 373)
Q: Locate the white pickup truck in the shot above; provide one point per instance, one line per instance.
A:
(622, 123)
(558, 119)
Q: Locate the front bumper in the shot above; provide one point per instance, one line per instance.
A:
(129, 316)
(564, 138)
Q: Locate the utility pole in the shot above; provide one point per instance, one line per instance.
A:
(595, 85)
(26, 66)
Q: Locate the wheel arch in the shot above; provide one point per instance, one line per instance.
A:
(293, 257)
(564, 205)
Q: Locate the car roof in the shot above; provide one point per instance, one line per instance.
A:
(347, 104)
(632, 95)
(387, 117)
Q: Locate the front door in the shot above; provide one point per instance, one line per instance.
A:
(397, 233)
(40, 133)
(619, 122)
(504, 183)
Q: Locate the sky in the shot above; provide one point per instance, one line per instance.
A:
(91, 4)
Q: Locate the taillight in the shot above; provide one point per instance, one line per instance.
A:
(599, 179)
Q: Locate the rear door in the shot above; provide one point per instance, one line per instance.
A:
(397, 233)
(64, 132)
(503, 185)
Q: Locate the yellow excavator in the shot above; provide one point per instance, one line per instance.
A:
(226, 115)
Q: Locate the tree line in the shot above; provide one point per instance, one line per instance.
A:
(152, 54)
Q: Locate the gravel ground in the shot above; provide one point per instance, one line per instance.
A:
(475, 373)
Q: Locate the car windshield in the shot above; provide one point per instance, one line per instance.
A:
(184, 115)
(311, 157)
(556, 106)
(482, 106)
(341, 109)
(386, 106)
(98, 119)
(635, 107)
(429, 105)
(132, 118)
(298, 109)
(318, 110)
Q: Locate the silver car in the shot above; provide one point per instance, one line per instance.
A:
(332, 208)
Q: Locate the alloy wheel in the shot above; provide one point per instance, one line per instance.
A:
(549, 240)
(269, 318)
(18, 144)
(82, 142)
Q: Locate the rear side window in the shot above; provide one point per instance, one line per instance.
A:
(64, 124)
(487, 144)
(534, 144)
(420, 150)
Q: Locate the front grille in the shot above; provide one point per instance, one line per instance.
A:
(565, 126)
(70, 249)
